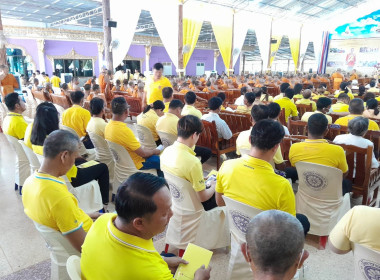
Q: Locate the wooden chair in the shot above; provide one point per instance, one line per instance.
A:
(364, 180)
(287, 142)
(281, 117)
(179, 96)
(297, 127)
(136, 106)
(374, 137)
(335, 116)
(334, 130)
(209, 139)
(60, 100)
(303, 108)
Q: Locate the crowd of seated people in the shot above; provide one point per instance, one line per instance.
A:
(258, 178)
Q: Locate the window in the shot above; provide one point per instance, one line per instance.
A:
(77, 67)
(17, 62)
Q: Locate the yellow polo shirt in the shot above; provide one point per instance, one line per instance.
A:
(191, 110)
(344, 122)
(168, 123)
(28, 134)
(340, 107)
(242, 142)
(349, 95)
(244, 109)
(76, 118)
(252, 181)
(307, 102)
(307, 115)
(290, 107)
(15, 125)
(96, 125)
(55, 81)
(108, 254)
(149, 120)
(180, 160)
(48, 202)
(359, 225)
(318, 151)
(154, 88)
(120, 133)
(166, 107)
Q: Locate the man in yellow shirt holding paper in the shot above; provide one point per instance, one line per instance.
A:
(155, 84)
(14, 124)
(356, 109)
(143, 207)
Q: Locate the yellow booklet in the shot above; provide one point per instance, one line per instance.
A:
(88, 164)
(196, 257)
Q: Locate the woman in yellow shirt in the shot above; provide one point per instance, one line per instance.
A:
(47, 121)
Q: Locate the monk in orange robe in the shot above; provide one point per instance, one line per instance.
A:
(7, 80)
(102, 83)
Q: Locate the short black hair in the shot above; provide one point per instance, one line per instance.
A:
(222, 96)
(11, 99)
(60, 141)
(214, 103)
(343, 96)
(76, 96)
(284, 86)
(119, 105)
(289, 93)
(243, 90)
(368, 96)
(274, 110)
(64, 86)
(158, 66)
(317, 124)
(95, 87)
(372, 83)
(323, 102)
(356, 106)
(167, 92)
(188, 125)
(134, 197)
(266, 134)
(190, 97)
(259, 112)
(250, 96)
(298, 88)
(361, 90)
(96, 105)
(175, 103)
(87, 87)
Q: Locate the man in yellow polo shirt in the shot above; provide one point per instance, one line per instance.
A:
(306, 100)
(143, 206)
(341, 106)
(45, 196)
(97, 124)
(189, 109)
(180, 159)
(286, 102)
(167, 94)
(356, 109)
(317, 150)
(168, 122)
(155, 84)
(118, 132)
(361, 226)
(55, 80)
(323, 107)
(252, 180)
(14, 123)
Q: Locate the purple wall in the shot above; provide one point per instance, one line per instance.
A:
(220, 65)
(159, 54)
(200, 55)
(237, 65)
(64, 47)
(30, 47)
(138, 51)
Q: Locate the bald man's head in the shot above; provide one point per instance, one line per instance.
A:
(275, 240)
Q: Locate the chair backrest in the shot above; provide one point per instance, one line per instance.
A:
(60, 100)
(366, 262)
(73, 267)
(145, 137)
(287, 142)
(281, 117)
(319, 181)
(103, 153)
(239, 214)
(135, 104)
(57, 90)
(22, 164)
(167, 139)
(184, 197)
(82, 148)
(33, 160)
(303, 108)
(124, 165)
(209, 136)
(374, 137)
(297, 127)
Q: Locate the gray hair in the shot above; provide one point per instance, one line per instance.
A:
(275, 240)
(60, 141)
(358, 126)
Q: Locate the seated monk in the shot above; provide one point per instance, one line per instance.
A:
(117, 86)
(124, 86)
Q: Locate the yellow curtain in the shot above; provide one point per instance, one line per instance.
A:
(274, 48)
(191, 30)
(294, 43)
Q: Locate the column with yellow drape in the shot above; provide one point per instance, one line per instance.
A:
(294, 35)
(191, 30)
(274, 48)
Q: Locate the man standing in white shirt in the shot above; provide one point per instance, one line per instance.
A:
(215, 104)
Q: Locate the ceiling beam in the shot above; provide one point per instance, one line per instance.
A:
(87, 14)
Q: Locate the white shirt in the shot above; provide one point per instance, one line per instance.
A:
(240, 100)
(358, 141)
(277, 97)
(221, 126)
(286, 130)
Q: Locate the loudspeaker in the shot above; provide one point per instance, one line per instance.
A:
(111, 23)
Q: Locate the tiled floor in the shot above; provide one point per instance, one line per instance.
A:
(23, 254)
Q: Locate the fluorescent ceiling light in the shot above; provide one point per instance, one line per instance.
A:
(67, 9)
(56, 13)
(56, 1)
(35, 11)
(48, 17)
(45, 6)
(77, 5)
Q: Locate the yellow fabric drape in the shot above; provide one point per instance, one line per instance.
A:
(191, 30)
(223, 36)
(294, 43)
(274, 48)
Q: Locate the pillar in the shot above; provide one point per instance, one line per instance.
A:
(41, 54)
(100, 56)
(216, 54)
(3, 50)
(107, 34)
(148, 50)
(180, 70)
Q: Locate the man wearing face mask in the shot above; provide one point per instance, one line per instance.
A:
(118, 132)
